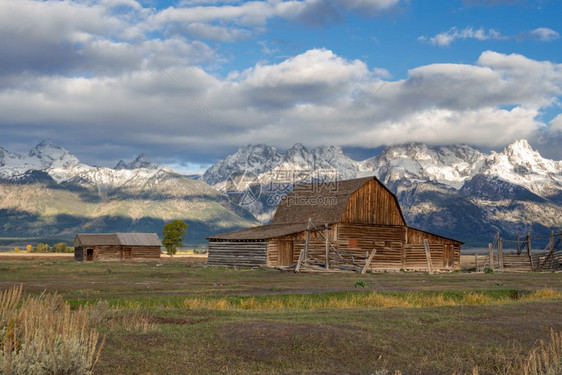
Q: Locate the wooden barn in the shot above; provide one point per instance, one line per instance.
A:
(344, 224)
(116, 246)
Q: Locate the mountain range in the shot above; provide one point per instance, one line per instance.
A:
(49, 193)
(455, 190)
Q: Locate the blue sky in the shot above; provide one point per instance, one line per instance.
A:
(188, 82)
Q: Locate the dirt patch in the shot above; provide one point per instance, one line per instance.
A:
(270, 343)
(151, 319)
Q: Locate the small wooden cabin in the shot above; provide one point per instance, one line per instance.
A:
(357, 215)
(116, 246)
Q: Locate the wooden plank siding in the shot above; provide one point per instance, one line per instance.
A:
(372, 204)
(116, 252)
(237, 253)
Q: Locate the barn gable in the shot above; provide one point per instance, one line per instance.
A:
(362, 200)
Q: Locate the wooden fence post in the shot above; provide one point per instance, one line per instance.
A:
(500, 253)
(368, 262)
(428, 256)
(552, 242)
(326, 231)
(301, 259)
(529, 251)
(476, 262)
(491, 255)
(307, 239)
(518, 246)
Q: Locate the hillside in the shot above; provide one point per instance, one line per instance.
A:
(49, 193)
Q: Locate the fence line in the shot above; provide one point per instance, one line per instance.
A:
(525, 258)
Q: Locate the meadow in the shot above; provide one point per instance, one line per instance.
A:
(177, 316)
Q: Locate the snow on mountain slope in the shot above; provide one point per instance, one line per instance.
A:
(520, 165)
(45, 156)
(140, 162)
(449, 165)
(255, 159)
(65, 167)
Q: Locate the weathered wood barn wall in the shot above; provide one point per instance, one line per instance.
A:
(116, 246)
(360, 214)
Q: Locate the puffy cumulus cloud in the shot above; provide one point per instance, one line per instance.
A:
(527, 81)
(543, 34)
(312, 77)
(556, 125)
(84, 38)
(249, 18)
(487, 126)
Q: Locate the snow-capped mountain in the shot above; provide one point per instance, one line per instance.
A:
(45, 155)
(255, 159)
(140, 162)
(50, 193)
(449, 165)
(452, 189)
(520, 165)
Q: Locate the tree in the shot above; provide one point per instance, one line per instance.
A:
(42, 248)
(173, 236)
(60, 247)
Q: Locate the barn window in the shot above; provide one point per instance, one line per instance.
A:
(352, 244)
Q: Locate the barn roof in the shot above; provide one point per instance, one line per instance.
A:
(323, 202)
(117, 239)
(262, 232)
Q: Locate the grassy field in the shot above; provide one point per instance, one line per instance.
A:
(177, 316)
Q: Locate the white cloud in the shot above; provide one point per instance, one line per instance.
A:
(449, 36)
(556, 124)
(91, 71)
(542, 34)
(545, 34)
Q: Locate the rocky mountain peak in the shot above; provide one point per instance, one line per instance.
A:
(140, 162)
(51, 155)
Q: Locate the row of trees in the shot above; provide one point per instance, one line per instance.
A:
(60, 247)
(173, 235)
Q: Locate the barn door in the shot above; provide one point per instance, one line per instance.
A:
(448, 256)
(127, 252)
(89, 254)
(285, 253)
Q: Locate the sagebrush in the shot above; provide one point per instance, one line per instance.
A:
(41, 335)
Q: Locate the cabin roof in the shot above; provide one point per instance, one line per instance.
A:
(262, 232)
(117, 239)
(323, 202)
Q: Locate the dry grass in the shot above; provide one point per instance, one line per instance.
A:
(359, 300)
(43, 336)
(543, 360)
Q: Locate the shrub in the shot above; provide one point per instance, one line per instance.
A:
(60, 247)
(43, 336)
(17, 250)
(42, 248)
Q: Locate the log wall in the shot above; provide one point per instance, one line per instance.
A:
(114, 252)
(316, 245)
(237, 253)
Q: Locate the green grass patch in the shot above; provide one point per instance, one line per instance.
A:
(321, 301)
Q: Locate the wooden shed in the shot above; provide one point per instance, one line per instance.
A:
(339, 222)
(116, 246)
